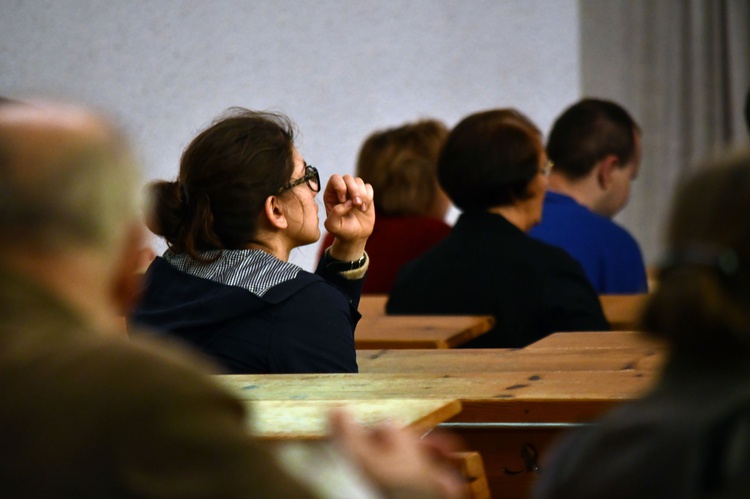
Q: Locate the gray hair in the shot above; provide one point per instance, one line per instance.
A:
(79, 188)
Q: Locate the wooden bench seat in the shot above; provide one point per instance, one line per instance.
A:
(599, 340)
(622, 311)
(643, 358)
(416, 331)
(471, 467)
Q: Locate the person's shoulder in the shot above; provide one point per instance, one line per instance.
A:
(309, 291)
(158, 350)
(544, 253)
(613, 449)
(552, 262)
(293, 287)
(142, 364)
(620, 234)
(102, 375)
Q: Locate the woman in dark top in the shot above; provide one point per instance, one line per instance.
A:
(243, 200)
(494, 168)
(690, 436)
(401, 165)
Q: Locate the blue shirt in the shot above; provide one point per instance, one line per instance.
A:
(609, 255)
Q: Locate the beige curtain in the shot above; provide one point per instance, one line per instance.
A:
(682, 68)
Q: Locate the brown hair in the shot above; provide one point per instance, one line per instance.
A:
(226, 174)
(702, 304)
(401, 165)
(489, 159)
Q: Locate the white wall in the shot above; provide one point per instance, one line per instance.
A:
(339, 68)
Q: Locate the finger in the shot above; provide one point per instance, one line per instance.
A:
(369, 195)
(336, 189)
(363, 194)
(451, 484)
(443, 444)
(341, 210)
(346, 431)
(353, 190)
(386, 433)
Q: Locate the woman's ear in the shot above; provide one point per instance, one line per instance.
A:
(274, 213)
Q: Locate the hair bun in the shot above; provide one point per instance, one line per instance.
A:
(166, 208)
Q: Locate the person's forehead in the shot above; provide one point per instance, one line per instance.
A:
(299, 161)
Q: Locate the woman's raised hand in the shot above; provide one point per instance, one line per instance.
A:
(350, 215)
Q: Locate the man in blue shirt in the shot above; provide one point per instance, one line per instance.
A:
(596, 150)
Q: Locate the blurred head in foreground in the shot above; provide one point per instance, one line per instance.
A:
(68, 194)
(702, 305)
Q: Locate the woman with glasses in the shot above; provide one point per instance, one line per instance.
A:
(243, 200)
(494, 168)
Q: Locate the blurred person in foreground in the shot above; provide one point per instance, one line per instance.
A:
(401, 165)
(595, 146)
(494, 168)
(690, 436)
(88, 413)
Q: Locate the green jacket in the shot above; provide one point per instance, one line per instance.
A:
(92, 415)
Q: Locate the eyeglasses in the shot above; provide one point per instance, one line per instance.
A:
(547, 168)
(311, 177)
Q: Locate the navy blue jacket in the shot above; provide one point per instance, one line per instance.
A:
(303, 325)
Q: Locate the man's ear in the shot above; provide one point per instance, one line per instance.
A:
(127, 280)
(604, 169)
(274, 213)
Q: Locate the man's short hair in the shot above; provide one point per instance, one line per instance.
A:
(589, 131)
(77, 191)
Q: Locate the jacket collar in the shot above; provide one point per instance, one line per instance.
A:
(484, 220)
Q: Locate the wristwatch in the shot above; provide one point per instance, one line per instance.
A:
(341, 266)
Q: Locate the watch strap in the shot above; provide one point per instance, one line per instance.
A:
(335, 265)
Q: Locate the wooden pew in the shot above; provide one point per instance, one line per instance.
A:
(471, 467)
(645, 358)
(416, 331)
(308, 419)
(297, 431)
(622, 311)
(293, 426)
(372, 305)
(518, 396)
(504, 413)
(604, 340)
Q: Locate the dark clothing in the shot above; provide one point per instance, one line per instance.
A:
(303, 324)
(689, 438)
(489, 266)
(89, 414)
(395, 241)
